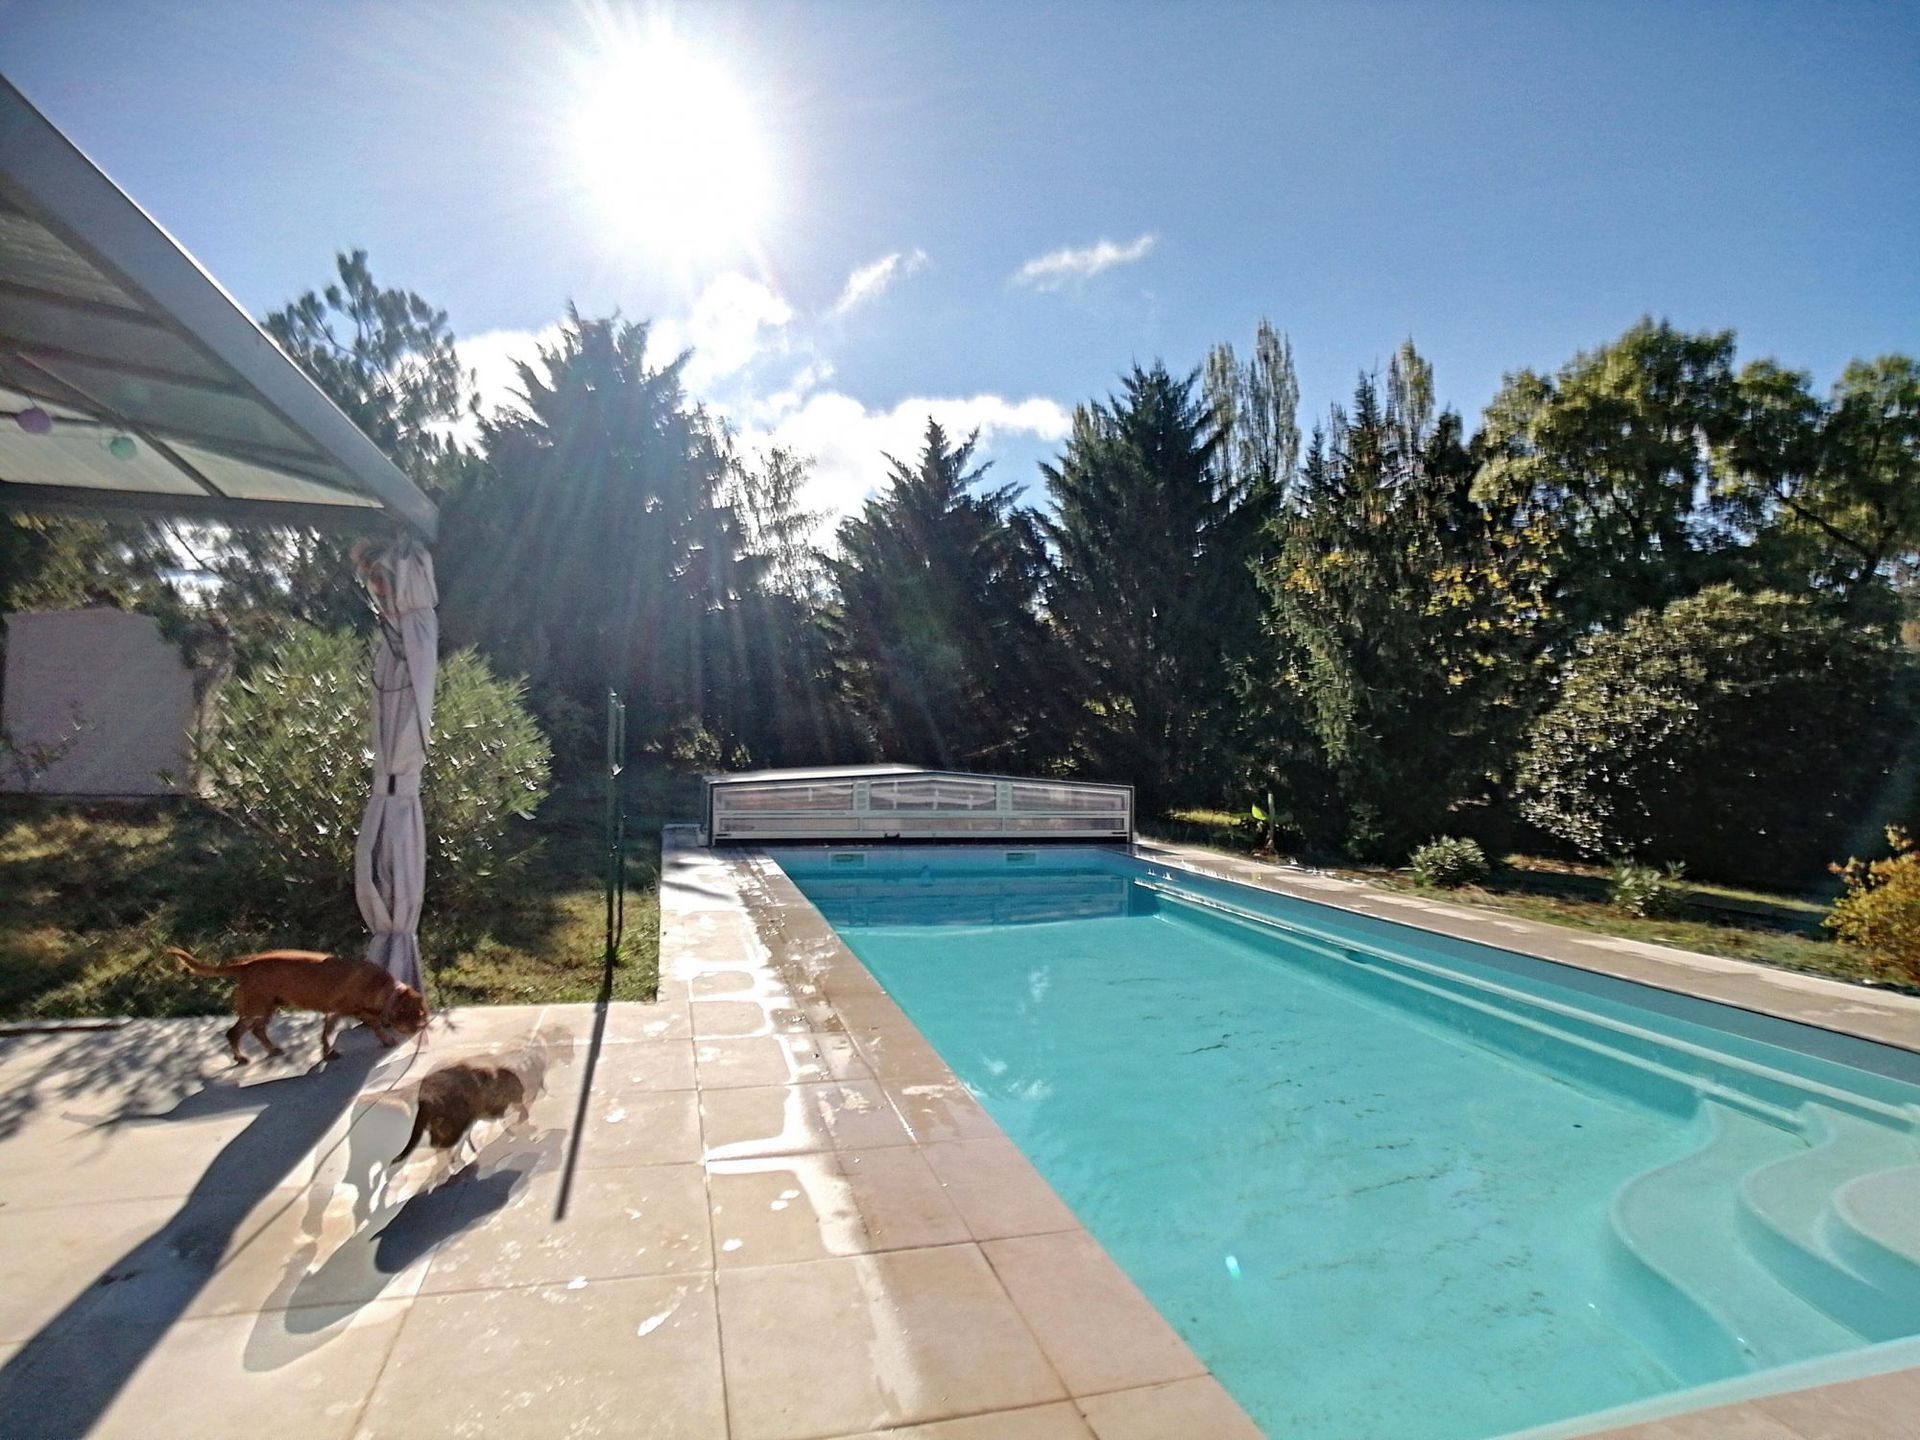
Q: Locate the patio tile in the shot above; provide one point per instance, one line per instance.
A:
(477, 1024)
(900, 1054)
(308, 1247)
(1096, 1327)
(1874, 1404)
(641, 1020)
(997, 1192)
(940, 1110)
(233, 1134)
(852, 1114)
(648, 1220)
(295, 1375)
(849, 980)
(900, 1199)
(723, 985)
(730, 1017)
(628, 1127)
(864, 1013)
(1039, 1422)
(1736, 1422)
(634, 1358)
(642, 1065)
(760, 1060)
(52, 1255)
(779, 1210)
(1182, 1410)
(839, 1346)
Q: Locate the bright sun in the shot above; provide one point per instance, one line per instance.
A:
(669, 150)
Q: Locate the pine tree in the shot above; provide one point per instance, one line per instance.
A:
(1151, 587)
(596, 549)
(936, 627)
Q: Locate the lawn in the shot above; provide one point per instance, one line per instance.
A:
(1769, 927)
(90, 894)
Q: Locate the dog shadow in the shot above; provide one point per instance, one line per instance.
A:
(388, 1236)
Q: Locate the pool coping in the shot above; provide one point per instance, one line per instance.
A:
(1873, 1391)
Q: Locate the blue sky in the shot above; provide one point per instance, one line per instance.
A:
(1505, 182)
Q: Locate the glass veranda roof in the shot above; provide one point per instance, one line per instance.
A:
(130, 381)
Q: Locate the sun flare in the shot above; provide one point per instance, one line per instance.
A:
(669, 149)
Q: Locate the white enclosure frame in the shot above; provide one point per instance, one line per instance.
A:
(898, 802)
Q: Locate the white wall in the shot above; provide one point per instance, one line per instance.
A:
(127, 686)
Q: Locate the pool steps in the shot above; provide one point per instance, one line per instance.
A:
(1794, 1218)
(1676, 1222)
(1873, 1224)
(1788, 1214)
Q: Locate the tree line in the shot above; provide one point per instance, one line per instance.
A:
(1650, 604)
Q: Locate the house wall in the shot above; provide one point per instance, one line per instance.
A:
(113, 676)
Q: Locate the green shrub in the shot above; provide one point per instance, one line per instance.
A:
(1737, 732)
(1880, 911)
(1648, 891)
(1449, 863)
(289, 759)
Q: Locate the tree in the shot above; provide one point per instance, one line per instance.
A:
(1256, 407)
(1737, 733)
(386, 357)
(794, 710)
(1609, 456)
(1151, 587)
(936, 628)
(1404, 623)
(595, 547)
(766, 497)
(1829, 489)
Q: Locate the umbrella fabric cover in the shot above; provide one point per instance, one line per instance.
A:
(390, 862)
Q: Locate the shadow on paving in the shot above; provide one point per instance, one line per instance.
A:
(64, 1377)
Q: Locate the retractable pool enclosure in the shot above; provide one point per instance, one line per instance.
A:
(904, 802)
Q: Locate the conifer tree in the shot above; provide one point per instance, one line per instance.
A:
(1151, 588)
(935, 628)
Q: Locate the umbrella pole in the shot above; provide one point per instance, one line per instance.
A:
(616, 829)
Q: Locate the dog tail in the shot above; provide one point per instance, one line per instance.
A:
(199, 969)
(419, 1129)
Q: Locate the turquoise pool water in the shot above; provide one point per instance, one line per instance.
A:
(1388, 1184)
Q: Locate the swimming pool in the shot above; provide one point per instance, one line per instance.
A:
(1389, 1183)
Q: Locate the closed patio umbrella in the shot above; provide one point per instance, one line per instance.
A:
(390, 861)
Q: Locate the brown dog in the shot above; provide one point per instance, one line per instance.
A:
(342, 987)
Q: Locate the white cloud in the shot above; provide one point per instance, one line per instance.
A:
(1052, 270)
(733, 322)
(848, 441)
(869, 282)
(493, 359)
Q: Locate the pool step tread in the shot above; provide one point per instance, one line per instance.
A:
(1784, 1209)
(1680, 1222)
(1873, 1223)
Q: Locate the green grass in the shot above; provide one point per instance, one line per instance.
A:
(91, 894)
